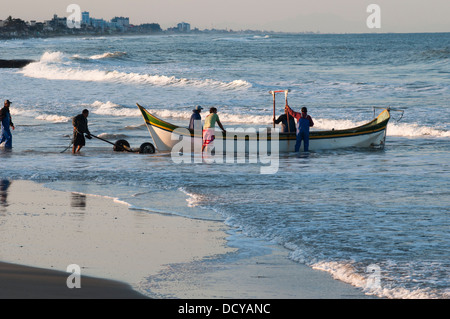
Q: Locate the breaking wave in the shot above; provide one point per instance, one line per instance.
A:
(56, 66)
(108, 136)
(55, 118)
(106, 55)
(415, 130)
(110, 108)
(349, 273)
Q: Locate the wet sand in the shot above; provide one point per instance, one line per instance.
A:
(137, 253)
(50, 229)
(22, 282)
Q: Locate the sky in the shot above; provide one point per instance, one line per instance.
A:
(326, 16)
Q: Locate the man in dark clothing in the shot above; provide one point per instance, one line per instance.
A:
(80, 127)
(284, 123)
(304, 122)
(195, 117)
(5, 117)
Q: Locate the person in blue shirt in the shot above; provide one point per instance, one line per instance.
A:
(304, 122)
(7, 124)
(195, 116)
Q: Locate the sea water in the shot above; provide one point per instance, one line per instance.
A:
(354, 213)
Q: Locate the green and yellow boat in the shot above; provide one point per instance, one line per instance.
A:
(370, 135)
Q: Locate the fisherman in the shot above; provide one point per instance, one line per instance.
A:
(285, 127)
(80, 127)
(5, 117)
(209, 128)
(195, 116)
(304, 122)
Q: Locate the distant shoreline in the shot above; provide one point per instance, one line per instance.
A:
(113, 34)
(193, 33)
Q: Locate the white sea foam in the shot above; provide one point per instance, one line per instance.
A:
(16, 111)
(51, 57)
(111, 136)
(107, 55)
(49, 68)
(415, 130)
(110, 108)
(346, 272)
(38, 116)
(53, 118)
(393, 129)
(193, 200)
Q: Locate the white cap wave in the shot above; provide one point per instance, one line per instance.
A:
(57, 66)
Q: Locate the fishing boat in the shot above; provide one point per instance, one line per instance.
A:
(370, 135)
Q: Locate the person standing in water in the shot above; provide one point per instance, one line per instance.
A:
(7, 124)
(80, 127)
(195, 117)
(209, 127)
(304, 122)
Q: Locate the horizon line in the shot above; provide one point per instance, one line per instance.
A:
(228, 29)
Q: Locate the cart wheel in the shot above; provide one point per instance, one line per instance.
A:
(120, 146)
(147, 148)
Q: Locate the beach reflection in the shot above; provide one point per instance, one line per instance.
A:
(78, 201)
(4, 185)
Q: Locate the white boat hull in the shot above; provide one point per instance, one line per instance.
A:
(167, 137)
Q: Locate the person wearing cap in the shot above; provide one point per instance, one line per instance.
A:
(80, 127)
(7, 124)
(195, 116)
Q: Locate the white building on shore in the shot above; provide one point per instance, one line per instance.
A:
(118, 23)
(184, 27)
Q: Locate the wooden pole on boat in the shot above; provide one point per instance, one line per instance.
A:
(273, 94)
(287, 114)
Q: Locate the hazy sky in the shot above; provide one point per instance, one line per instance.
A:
(277, 15)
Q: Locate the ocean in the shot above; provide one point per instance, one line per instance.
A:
(357, 214)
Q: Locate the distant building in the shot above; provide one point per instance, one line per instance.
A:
(120, 22)
(57, 22)
(98, 23)
(184, 27)
(150, 27)
(85, 20)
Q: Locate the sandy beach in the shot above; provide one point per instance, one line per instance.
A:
(136, 253)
